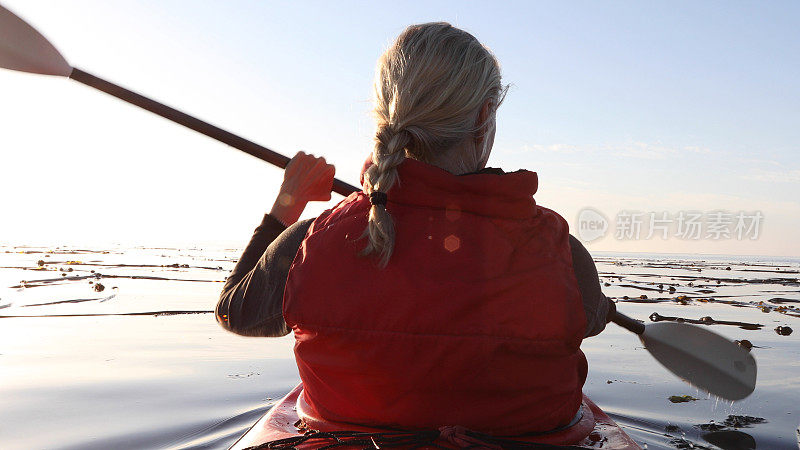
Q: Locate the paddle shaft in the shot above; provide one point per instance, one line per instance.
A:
(628, 323)
(249, 147)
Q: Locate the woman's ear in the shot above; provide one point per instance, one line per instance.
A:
(483, 117)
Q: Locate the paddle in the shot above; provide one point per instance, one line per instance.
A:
(698, 356)
(24, 49)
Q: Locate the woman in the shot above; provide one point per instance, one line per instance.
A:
(440, 295)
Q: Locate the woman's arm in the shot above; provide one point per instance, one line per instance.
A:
(596, 306)
(251, 300)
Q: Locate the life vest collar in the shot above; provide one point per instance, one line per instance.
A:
(504, 195)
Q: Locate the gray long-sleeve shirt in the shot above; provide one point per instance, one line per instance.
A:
(252, 298)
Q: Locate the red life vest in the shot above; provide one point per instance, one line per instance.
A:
(476, 321)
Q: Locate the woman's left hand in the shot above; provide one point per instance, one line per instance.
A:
(306, 178)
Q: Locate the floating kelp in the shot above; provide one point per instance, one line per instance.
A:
(148, 313)
(711, 426)
(77, 300)
(780, 301)
(736, 421)
(788, 310)
(723, 436)
(64, 252)
(682, 443)
(627, 299)
(681, 398)
(147, 266)
(777, 270)
(718, 280)
(707, 320)
(643, 288)
(53, 281)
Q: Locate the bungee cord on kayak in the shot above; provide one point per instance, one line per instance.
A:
(338, 439)
(453, 436)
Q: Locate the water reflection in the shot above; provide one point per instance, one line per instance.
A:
(131, 367)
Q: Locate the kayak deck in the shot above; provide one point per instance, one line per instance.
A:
(595, 429)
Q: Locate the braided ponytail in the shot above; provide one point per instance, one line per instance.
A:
(430, 87)
(380, 177)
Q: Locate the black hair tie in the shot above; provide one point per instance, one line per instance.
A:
(378, 198)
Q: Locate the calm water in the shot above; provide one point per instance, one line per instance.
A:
(142, 364)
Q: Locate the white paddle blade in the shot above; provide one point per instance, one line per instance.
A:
(702, 358)
(25, 49)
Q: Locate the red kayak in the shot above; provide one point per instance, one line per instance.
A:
(288, 425)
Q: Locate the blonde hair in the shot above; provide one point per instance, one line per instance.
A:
(430, 86)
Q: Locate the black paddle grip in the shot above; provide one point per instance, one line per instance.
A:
(628, 323)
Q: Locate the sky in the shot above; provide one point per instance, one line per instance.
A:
(679, 109)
